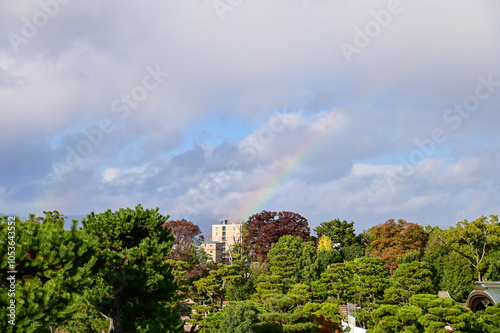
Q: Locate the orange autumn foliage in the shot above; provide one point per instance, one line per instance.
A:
(393, 239)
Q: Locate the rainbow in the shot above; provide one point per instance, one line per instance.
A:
(277, 180)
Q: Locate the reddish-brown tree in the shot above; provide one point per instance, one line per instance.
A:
(266, 228)
(186, 234)
(324, 325)
(392, 240)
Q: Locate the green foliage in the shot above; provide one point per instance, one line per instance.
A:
(338, 279)
(214, 287)
(493, 263)
(351, 252)
(425, 313)
(410, 257)
(370, 278)
(439, 312)
(294, 260)
(408, 280)
(339, 232)
(52, 265)
(326, 258)
(285, 310)
(267, 284)
(474, 241)
(330, 311)
(458, 277)
(395, 319)
(491, 318)
(133, 280)
(118, 274)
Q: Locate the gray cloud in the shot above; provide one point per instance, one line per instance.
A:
(348, 122)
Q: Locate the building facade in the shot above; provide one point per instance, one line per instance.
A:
(228, 234)
(214, 250)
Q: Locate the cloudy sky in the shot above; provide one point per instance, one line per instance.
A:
(358, 110)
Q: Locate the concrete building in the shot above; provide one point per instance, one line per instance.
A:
(228, 234)
(214, 250)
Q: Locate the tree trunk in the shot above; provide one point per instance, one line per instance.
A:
(115, 315)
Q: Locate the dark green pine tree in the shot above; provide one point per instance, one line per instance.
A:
(133, 286)
(408, 280)
(53, 266)
(294, 260)
(491, 318)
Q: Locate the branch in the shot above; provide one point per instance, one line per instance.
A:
(458, 251)
(485, 243)
(110, 322)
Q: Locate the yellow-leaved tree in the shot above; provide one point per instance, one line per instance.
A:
(324, 243)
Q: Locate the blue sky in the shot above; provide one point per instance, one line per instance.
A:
(358, 110)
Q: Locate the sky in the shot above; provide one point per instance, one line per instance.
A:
(211, 109)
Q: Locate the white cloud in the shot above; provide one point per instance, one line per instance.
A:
(356, 118)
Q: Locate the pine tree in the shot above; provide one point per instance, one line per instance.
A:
(53, 266)
(133, 285)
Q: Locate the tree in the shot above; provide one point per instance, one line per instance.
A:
(53, 265)
(351, 252)
(491, 318)
(493, 273)
(458, 277)
(294, 260)
(186, 235)
(370, 278)
(133, 285)
(395, 319)
(326, 316)
(392, 240)
(266, 285)
(474, 241)
(266, 228)
(238, 317)
(425, 313)
(451, 272)
(324, 243)
(215, 285)
(326, 258)
(408, 280)
(338, 279)
(340, 232)
(440, 312)
(286, 310)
